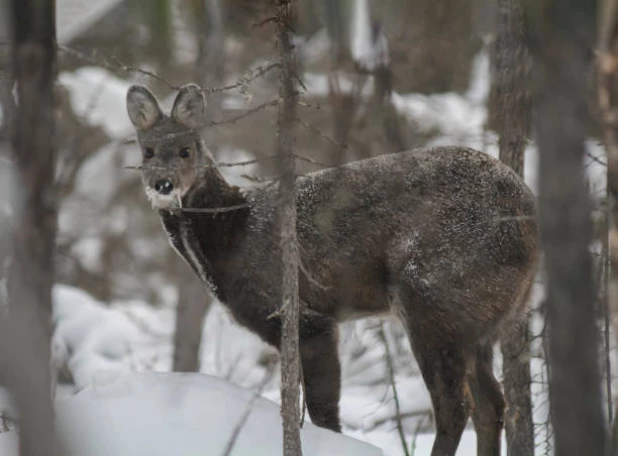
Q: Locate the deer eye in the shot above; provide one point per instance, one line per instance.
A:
(148, 152)
(184, 152)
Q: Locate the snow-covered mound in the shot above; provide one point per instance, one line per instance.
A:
(88, 337)
(186, 414)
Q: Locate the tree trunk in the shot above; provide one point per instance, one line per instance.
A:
(32, 273)
(511, 91)
(210, 61)
(561, 39)
(193, 302)
(290, 367)
(608, 102)
(432, 43)
(191, 310)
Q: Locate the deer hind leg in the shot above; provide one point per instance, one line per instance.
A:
(488, 412)
(321, 372)
(444, 369)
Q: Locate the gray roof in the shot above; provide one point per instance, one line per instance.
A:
(73, 17)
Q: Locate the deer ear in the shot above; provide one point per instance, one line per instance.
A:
(190, 106)
(143, 107)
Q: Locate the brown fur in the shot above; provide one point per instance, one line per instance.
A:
(444, 237)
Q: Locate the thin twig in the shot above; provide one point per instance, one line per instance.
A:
(300, 81)
(243, 163)
(309, 276)
(116, 65)
(417, 431)
(260, 180)
(245, 416)
(304, 388)
(249, 76)
(210, 166)
(595, 159)
(263, 22)
(312, 161)
(212, 210)
(131, 69)
(391, 376)
(319, 133)
(309, 105)
(244, 114)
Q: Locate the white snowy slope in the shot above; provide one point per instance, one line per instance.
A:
(166, 414)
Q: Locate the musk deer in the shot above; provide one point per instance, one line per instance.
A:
(444, 237)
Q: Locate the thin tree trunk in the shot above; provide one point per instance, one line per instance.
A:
(210, 61)
(512, 124)
(608, 102)
(290, 366)
(193, 303)
(191, 310)
(562, 35)
(32, 273)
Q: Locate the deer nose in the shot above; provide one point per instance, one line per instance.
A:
(163, 187)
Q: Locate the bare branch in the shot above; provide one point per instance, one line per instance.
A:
(216, 165)
(114, 65)
(391, 377)
(322, 135)
(312, 161)
(245, 416)
(248, 77)
(214, 210)
(247, 113)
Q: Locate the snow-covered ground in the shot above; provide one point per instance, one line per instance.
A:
(114, 351)
(186, 414)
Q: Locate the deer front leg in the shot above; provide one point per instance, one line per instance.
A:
(321, 372)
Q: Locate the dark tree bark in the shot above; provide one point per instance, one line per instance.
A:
(562, 34)
(608, 103)
(32, 272)
(511, 92)
(290, 366)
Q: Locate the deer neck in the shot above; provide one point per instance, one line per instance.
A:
(207, 240)
(212, 191)
(216, 234)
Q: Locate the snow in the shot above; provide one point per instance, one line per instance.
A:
(104, 346)
(89, 338)
(190, 414)
(99, 97)
(421, 443)
(113, 351)
(455, 116)
(368, 51)
(9, 444)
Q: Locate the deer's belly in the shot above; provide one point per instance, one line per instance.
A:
(346, 299)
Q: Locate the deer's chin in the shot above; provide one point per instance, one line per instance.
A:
(158, 201)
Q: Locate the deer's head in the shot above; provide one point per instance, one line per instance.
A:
(171, 145)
